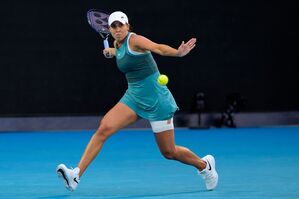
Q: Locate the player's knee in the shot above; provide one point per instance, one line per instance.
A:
(169, 154)
(104, 131)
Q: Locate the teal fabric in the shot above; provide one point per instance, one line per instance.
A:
(150, 100)
(135, 67)
(144, 95)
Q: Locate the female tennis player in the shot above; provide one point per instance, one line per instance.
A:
(144, 98)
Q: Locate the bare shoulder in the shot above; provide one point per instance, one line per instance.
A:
(136, 43)
(139, 40)
(136, 37)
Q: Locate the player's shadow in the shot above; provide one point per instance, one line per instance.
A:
(174, 194)
(56, 197)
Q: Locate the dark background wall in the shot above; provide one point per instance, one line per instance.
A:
(51, 61)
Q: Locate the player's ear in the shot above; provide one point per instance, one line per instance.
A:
(128, 27)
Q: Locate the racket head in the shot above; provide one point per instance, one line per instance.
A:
(98, 20)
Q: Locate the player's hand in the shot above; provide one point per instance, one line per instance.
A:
(109, 52)
(185, 48)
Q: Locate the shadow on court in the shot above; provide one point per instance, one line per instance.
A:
(157, 195)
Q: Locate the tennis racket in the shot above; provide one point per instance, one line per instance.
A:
(98, 20)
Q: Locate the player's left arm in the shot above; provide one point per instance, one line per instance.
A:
(143, 43)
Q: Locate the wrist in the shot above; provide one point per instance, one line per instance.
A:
(178, 53)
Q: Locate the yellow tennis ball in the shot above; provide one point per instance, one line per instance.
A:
(162, 80)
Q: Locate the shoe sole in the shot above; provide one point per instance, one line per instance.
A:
(61, 174)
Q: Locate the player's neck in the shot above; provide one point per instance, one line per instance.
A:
(120, 43)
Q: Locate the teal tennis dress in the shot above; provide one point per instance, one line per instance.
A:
(144, 95)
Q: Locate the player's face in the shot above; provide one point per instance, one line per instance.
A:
(119, 31)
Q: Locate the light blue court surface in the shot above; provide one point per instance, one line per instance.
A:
(252, 163)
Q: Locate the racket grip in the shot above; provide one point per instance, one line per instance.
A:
(106, 43)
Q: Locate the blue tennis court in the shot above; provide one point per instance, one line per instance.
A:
(251, 162)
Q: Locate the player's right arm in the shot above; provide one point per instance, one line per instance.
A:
(110, 52)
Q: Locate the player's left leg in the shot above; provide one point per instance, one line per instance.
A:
(206, 166)
(166, 144)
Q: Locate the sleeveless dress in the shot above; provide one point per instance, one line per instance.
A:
(144, 95)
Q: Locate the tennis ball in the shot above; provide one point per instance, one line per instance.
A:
(162, 80)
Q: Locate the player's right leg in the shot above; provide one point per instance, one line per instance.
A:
(118, 117)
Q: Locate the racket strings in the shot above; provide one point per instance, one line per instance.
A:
(100, 21)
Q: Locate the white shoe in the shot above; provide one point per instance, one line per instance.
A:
(209, 174)
(70, 177)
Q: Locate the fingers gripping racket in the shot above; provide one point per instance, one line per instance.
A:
(98, 20)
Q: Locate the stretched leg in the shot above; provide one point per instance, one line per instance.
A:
(206, 165)
(169, 150)
(118, 117)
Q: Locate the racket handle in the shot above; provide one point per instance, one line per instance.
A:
(106, 43)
